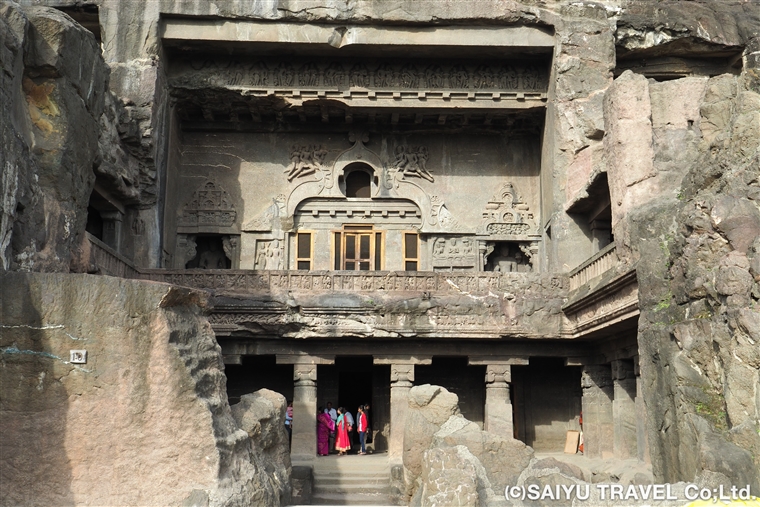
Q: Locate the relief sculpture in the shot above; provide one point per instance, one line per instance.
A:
(506, 214)
(305, 160)
(269, 255)
(209, 206)
(412, 161)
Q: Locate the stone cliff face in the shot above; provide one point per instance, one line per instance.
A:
(681, 158)
(698, 284)
(145, 421)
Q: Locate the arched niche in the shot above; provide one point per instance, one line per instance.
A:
(358, 180)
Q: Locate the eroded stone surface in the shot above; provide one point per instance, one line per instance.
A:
(145, 421)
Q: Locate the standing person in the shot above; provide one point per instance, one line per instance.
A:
(351, 425)
(342, 443)
(361, 426)
(289, 421)
(368, 438)
(324, 427)
(334, 416)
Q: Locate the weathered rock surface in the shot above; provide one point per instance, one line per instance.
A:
(51, 110)
(429, 407)
(451, 476)
(504, 459)
(696, 250)
(262, 416)
(145, 421)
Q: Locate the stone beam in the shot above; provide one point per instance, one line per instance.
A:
(505, 360)
(402, 359)
(304, 359)
(310, 35)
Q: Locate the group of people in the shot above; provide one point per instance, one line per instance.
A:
(335, 429)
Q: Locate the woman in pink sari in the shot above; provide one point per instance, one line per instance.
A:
(324, 426)
(342, 443)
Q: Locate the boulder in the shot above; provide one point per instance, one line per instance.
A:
(504, 459)
(450, 476)
(429, 407)
(262, 416)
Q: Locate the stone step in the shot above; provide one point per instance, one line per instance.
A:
(332, 498)
(352, 488)
(353, 484)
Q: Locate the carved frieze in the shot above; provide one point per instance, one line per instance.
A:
(370, 74)
(210, 206)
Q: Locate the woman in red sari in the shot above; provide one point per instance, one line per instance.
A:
(342, 443)
(324, 426)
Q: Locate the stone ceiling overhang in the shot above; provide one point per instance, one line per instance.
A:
(261, 37)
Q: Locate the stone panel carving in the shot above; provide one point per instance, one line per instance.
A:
(377, 74)
(454, 253)
(267, 221)
(269, 255)
(305, 160)
(506, 214)
(210, 206)
(412, 161)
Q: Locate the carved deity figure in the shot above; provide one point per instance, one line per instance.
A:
(412, 161)
(213, 258)
(504, 262)
(305, 160)
(274, 255)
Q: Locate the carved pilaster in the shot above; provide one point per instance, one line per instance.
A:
(231, 246)
(598, 431)
(624, 409)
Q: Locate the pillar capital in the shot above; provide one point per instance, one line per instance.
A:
(402, 375)
(498, 374)
(305, 373)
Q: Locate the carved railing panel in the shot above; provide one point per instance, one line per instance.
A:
(342, 281)
(109, 262)
(597, 265)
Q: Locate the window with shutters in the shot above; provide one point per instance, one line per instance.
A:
(358, 248)
(304, 250)
(411, 251)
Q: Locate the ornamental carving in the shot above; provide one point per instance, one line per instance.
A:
(378, 74)
(506, 214)
(210, 206)
(305, 160)
(455, 253)
(269, 255)
(412, 161)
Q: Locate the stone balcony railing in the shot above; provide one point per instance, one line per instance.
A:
(109, 262)
(595, 266)
(246, 281)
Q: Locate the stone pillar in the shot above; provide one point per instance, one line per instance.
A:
(402, 377)
(598, 430)
(642, 439)
(498, 410)
(303, 446)
(112, 228)
(624, 409)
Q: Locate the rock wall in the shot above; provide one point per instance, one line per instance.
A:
(689, 217)
(145, 421)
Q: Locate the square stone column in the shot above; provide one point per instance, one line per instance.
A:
(112, 228)
(598, 429)
(402, 378)
(624, 409)
(303, 446)
(498, 410)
